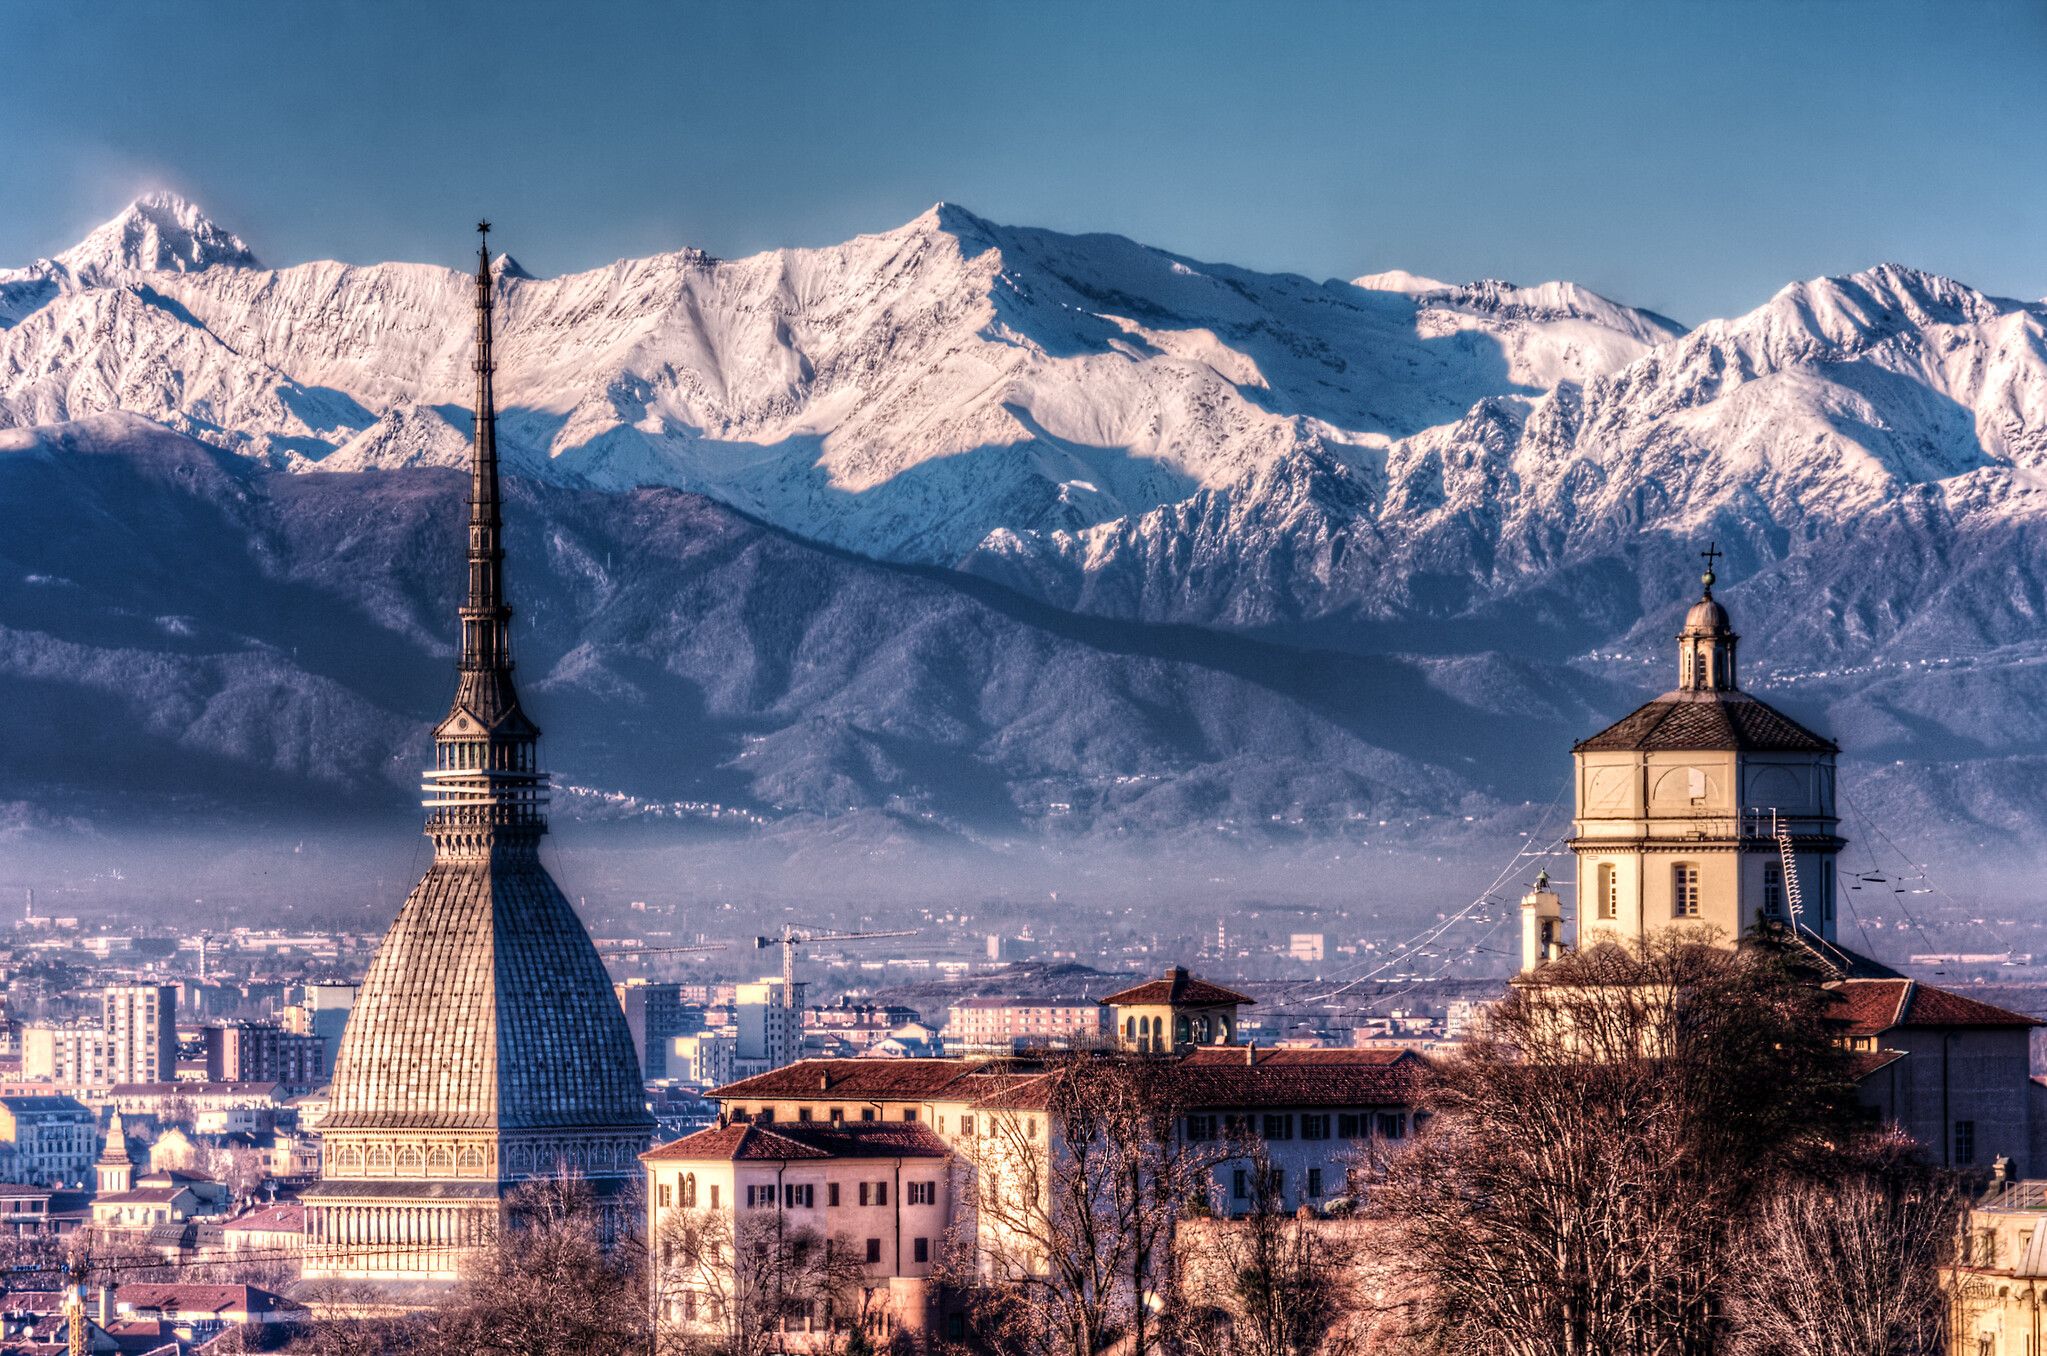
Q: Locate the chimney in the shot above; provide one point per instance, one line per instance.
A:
(1251, 1052)
(106, 1306)
(824, 1080)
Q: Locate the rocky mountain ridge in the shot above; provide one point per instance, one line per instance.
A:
(1485, 500)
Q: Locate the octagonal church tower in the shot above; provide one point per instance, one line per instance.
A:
(1706, 808)
(486, 1048)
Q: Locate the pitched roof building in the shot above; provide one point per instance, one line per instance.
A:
(485, 1048)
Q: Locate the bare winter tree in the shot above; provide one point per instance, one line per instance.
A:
(1079, 1181)
(1270, 1282)
(730, 1279)
(352, 1318)
(1593, 1156)
(1849, 1266)
(549, 1282)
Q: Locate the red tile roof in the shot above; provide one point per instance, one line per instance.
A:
(199, 1299)
(1707, 720)
(284, 1217)
(1863, 1063)
(1343, 1055)
(1870, 1007)
(1177, 987)
(803, 1141)
(876, 1080)
(1239, 1078)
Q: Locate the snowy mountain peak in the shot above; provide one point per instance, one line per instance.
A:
(157, 233)
(1400, 280)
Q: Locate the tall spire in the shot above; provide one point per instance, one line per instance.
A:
(485, 618)
(485, 791)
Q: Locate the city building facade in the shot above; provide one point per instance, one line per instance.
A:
(141, 1022)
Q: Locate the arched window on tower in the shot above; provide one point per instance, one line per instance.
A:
(689, 1191)
(1608, 892)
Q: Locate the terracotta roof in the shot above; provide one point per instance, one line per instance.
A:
(882, 1080)
(1343, 1055)
(284, 1217)
(1240, 1078)
(199, 1299)
(1863, 1063)
(1707, 721)
(1870, 1007)
(1176, 987)
(803, 1141)
(147, 1196)
(134, 1090)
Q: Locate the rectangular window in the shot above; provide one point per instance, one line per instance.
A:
(1350, 1125)
(838, 1113)
(1773, 889)
(1684, 891)
(866, 1193)
(923, 1193)
(1201, 1128)
(1392, 1125)
(752, 1194)
(799, 1196)
(1280, 1126)
(1314, 1127)
(1315, 1182)
(1240, 1184)
(966, 1127)
(803, 1113)
(1965, 1143)
(831, 1194)
(909, 1113)
(866, 1113)
(881, 1193)
(714, 1197)
(667, 1193)
(1609, 893)
(920, 1250)
(766, 1115)
(874, 1250)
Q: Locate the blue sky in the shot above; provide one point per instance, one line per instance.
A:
(1691, 157)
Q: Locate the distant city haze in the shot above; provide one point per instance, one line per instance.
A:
(1687, 159)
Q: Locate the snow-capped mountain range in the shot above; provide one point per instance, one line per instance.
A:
(1474, 475)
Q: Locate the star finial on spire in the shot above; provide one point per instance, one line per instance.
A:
(483, 227)
(1711, 553)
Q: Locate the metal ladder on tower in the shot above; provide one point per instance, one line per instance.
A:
(1793, 900)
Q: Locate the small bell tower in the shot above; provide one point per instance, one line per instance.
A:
(116, 1167)
(1542, 924)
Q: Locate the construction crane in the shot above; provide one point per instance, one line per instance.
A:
(621, 951)
(793, 937)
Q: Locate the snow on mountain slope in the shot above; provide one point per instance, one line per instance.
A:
(1886, 397)
(904, 394)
